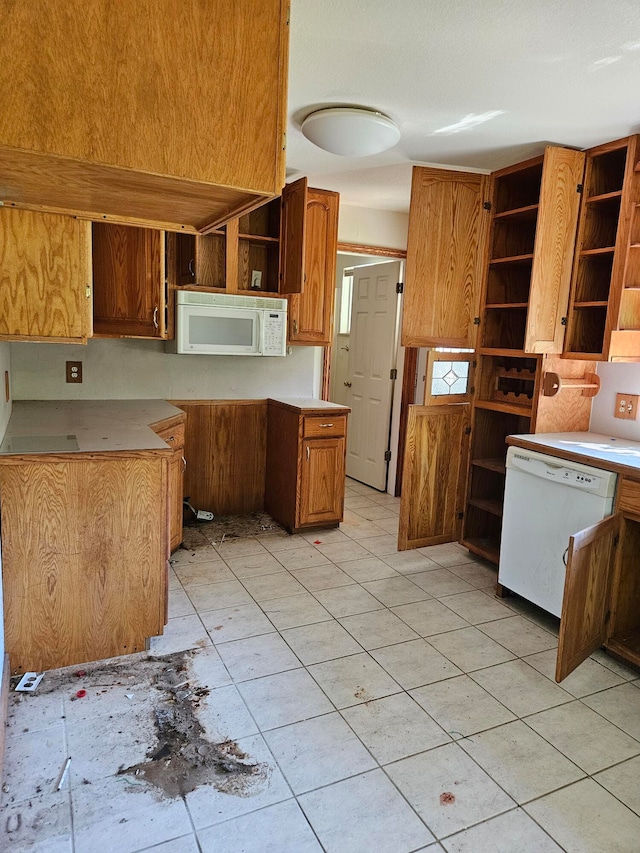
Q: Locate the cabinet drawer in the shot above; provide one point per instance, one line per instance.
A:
(629, 497)
(174, 436)
(321, 427)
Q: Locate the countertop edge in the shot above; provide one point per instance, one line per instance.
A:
(584, 458)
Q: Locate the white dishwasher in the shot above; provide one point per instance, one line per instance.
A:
(546, 500)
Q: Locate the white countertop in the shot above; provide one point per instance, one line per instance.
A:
(308, 403)
(602, 451)
(98, 425)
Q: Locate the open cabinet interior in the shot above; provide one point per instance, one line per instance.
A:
(625, 636)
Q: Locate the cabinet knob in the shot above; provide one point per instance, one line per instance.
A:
(347, 384)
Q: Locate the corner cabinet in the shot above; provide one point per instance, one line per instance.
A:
(45, 277)
(305, 478)
(308, 261)
(173, 433)
(601, 601)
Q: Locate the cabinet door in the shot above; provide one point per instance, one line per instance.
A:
(587, 593)
(293, 233)
(310, 312)
(435, 465)
(129, 281)
(177, 467)
(446, 246)
(562, 174)
(322, 479)
(45, 277)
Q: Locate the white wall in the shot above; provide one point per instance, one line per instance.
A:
(615, 378)
(129, 369)
(368, 227)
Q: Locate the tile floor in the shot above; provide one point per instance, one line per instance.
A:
(394, 703)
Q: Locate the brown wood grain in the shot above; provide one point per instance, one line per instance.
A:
(311, 312)
(625, 594)
(554, 240)
(293, 234)
(436, 458)
(4, 710)
(567, 411)
(284, 434)
(322, 479)
(84, 554)
(445, 257)
(628, 498)
(172, 431)
(45, 270)
(128, 281)
(376, 251)
(225, 449)
(586, 599)
(324, 425)
(134, 101)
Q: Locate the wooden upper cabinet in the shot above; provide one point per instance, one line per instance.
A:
(293, 231)
(145, 111)
(433, 479)
(45, 277)
(129, 282)
(555, 234)
(445, 257)
(315, 242)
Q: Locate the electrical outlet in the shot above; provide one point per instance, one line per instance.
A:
(626, 406)
(74, 371)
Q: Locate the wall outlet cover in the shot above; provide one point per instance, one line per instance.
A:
(256, 279)
(626, 406)
(74, 371)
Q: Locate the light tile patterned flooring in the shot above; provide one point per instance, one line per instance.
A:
(398, 705)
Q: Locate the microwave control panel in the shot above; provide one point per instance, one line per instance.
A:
(274, 340)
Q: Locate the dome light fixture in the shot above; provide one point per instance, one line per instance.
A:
(351, 131)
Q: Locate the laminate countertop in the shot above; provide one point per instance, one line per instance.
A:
(85, 426)
(620, 455)
(310, 405)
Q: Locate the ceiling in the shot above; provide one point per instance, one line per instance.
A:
(518, 74)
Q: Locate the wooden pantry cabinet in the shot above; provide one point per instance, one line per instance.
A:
(305, 475)
(156, 113)
(45, 277)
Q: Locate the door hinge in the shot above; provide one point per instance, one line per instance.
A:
(460, 516)
(607, 616)
(387, 456)
(580, 188)
(563, 322)
(393, 373)
(400, 287)
(467, 430)
(472, 390)
(284, 141)
(476, 321)
(88, 291)
(616, 539)
(486, 205)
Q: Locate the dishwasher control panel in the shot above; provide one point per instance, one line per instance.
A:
(576, 478)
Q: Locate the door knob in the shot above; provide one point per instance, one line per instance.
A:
(347, 384)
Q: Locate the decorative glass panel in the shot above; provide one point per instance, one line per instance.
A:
(449, 377)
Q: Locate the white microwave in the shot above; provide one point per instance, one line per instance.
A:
(217, 324)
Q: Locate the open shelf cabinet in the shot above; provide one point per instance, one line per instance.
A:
(604, 312)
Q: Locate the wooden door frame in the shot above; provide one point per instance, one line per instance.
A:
(353, 249)
(407, 395)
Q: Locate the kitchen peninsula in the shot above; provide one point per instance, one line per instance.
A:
(85, 529)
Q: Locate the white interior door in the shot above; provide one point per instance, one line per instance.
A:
(372, 356)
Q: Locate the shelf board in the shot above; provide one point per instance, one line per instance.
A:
(512, 353)
(513, 259)
(257, 238)
(587, 253)
(603, 198)
(492, 506)
(486, 548)
(602, 304)
(507, 408)
(497, 465)
(528, 212)
(506, 305)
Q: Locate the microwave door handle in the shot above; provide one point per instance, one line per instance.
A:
(259, 333)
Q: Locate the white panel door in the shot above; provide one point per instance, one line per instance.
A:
(372, 356)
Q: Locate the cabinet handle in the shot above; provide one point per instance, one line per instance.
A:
(184, 464)
(347, 384)
(155, 317)
(324, 426)
(308, 452)
(191, 272)
(295, 327)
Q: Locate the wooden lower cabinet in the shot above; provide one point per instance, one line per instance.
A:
(601, 602)
(173, 433)
(84, 549)
(305, 475)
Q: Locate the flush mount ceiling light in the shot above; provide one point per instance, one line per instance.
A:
(350, 131)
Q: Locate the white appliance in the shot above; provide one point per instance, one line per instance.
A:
(546, 500)
(217, 324)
